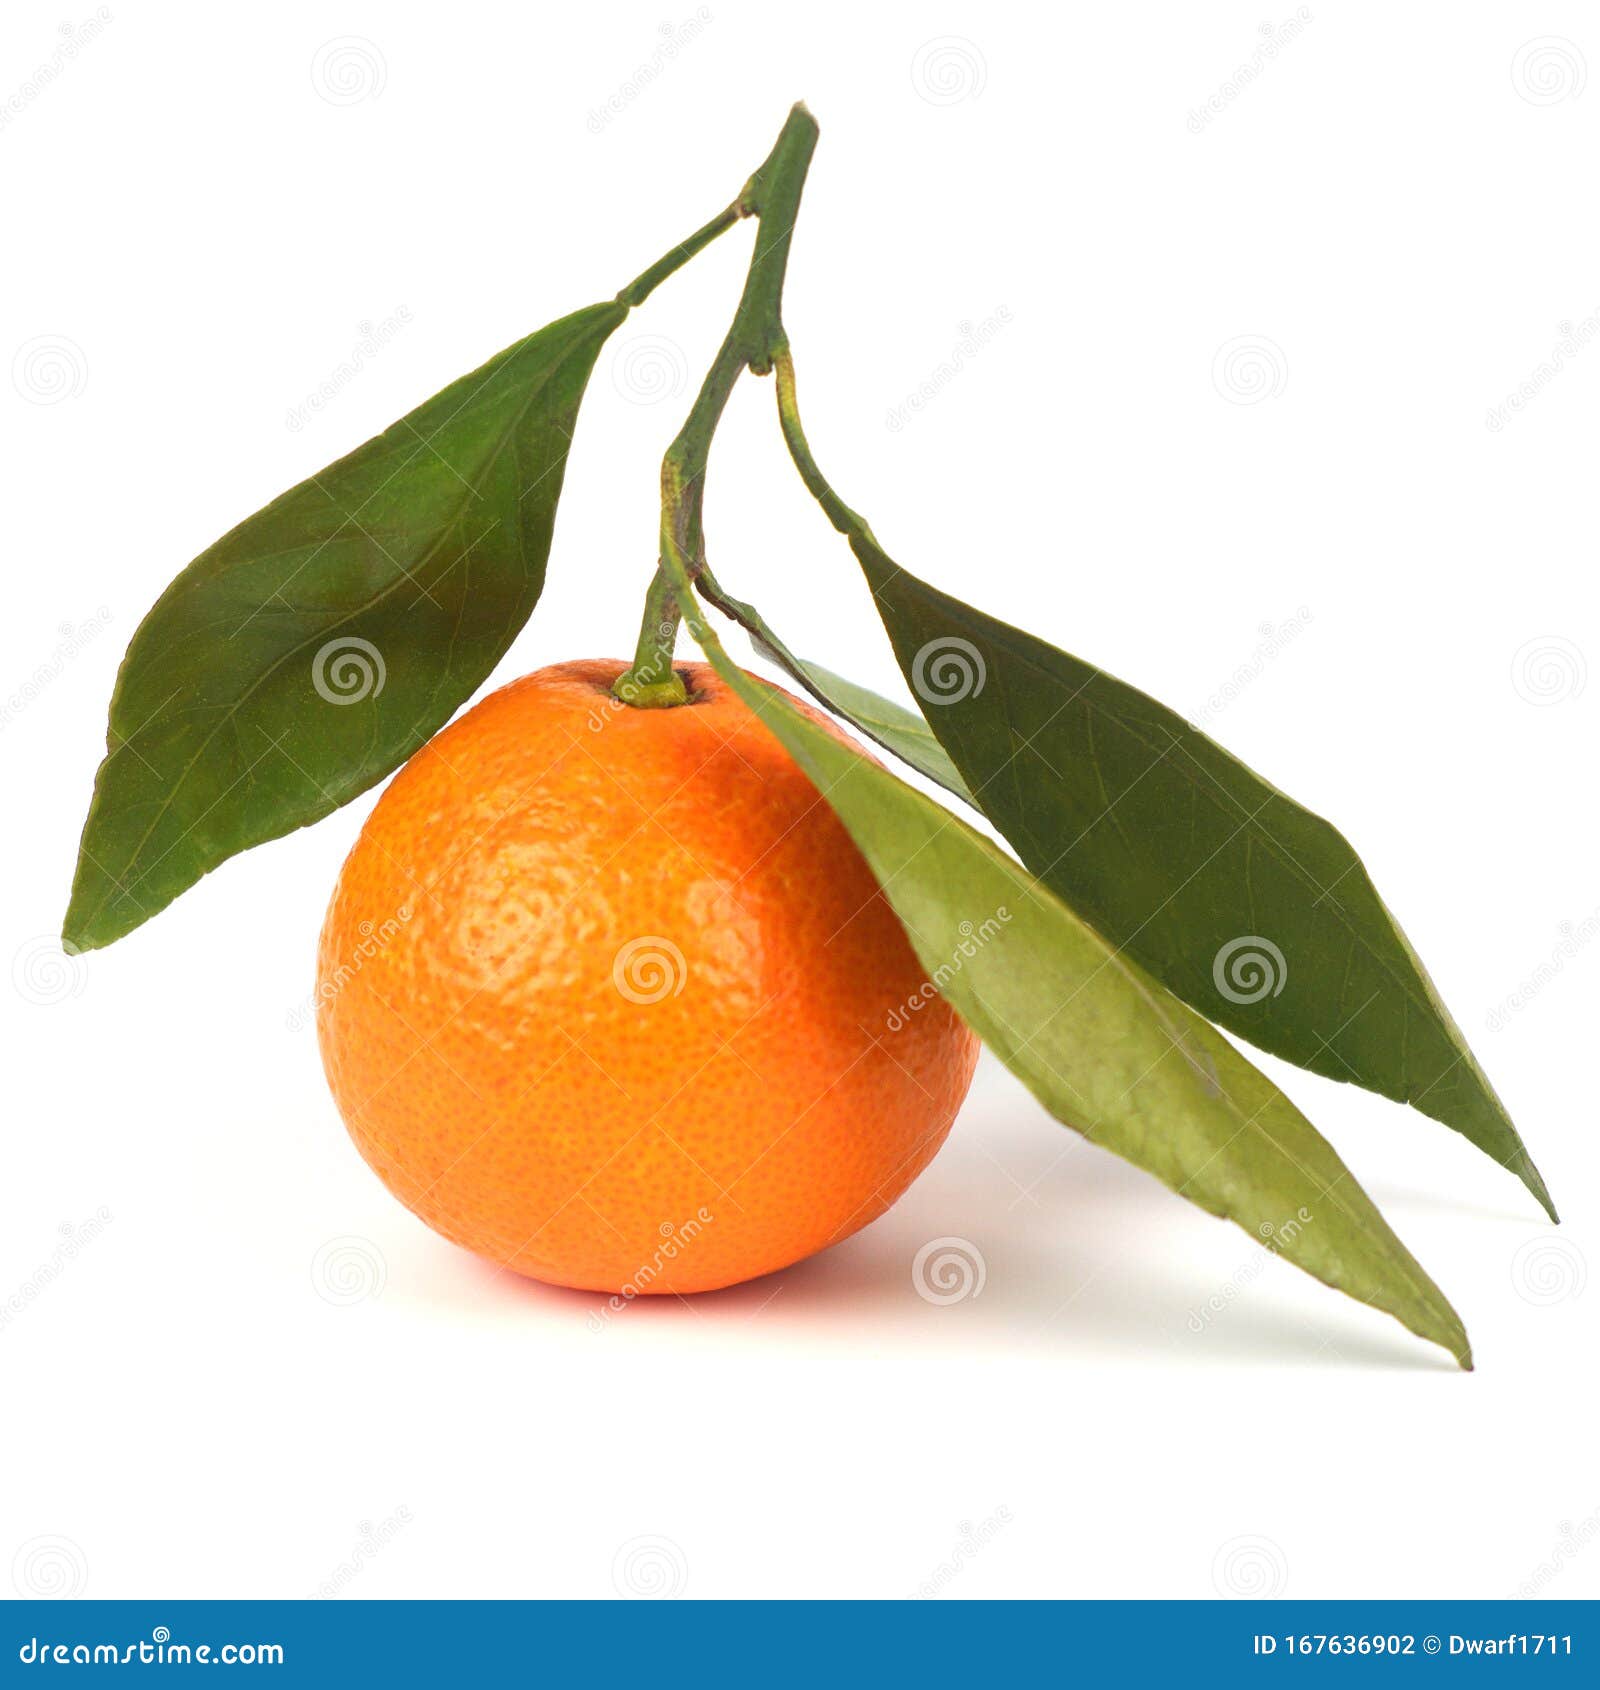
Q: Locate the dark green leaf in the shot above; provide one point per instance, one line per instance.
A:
(891, 725)
(1248, 906)
(316, 646)
(1103, 1046)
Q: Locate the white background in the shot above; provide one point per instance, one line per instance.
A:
(1393, 215)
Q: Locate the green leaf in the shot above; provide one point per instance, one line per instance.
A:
(311, 650)
(899, 730)
(891, 725)
(1104, 1047)
(1249, 907)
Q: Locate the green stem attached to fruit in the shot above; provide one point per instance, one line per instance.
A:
(755, 341)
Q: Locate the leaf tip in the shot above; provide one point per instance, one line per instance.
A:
(87, 927)
(75, 938)
(1534, 1180)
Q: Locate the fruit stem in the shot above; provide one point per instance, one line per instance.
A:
(652, 683)
(754, 341)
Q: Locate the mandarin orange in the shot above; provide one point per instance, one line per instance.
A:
(608, 995)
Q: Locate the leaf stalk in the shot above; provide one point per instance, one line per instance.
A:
(641, 287)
